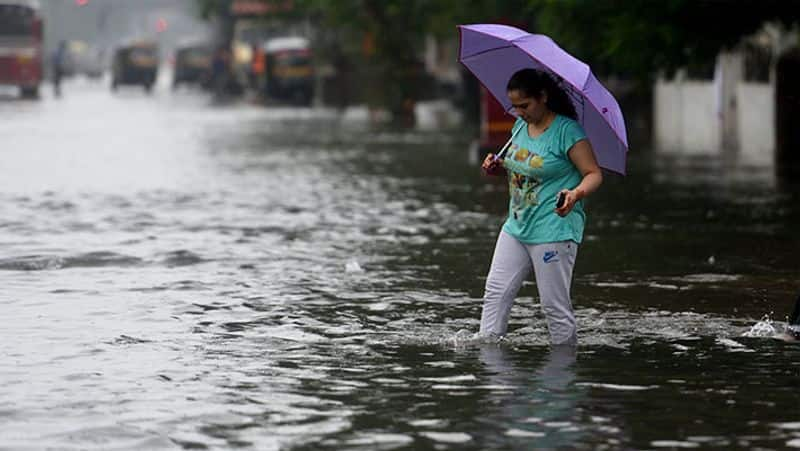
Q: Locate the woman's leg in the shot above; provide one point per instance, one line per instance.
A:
(511, 264)
(553, 263)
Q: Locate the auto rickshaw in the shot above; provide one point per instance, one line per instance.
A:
(135, 64)
(288, 73)
(193, 66)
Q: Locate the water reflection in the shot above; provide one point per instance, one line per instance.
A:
(539, 408)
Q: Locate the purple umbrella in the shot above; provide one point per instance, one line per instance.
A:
(494, 52)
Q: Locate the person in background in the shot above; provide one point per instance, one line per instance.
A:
(58, 64)
(258, 70)
(549, 155)
(220, 71)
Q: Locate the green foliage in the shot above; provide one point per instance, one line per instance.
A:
(213, 8)
(632, 38)
(394, 31)
(639, 38)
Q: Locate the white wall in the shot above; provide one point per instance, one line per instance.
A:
(667, 117)
(756, 120)
(686, 122)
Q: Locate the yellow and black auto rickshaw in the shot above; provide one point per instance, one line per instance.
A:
(135, 64)
(288, 73)
(193, 65)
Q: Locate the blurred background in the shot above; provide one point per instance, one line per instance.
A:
(690, 83)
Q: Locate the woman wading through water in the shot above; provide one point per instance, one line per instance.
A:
(549, 156)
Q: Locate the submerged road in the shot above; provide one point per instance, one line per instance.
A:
(179, 273)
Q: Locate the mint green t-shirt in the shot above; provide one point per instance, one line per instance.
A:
(538, 169)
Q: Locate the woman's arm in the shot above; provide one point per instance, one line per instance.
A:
(582, 156)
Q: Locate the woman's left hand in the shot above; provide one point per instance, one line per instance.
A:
(573, 196)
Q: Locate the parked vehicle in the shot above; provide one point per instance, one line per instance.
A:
(135, 64)
(193, 64)
(288, 70)
(82, 59)
(21, 45)
(94, 63)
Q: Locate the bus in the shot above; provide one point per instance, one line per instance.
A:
(21, 45)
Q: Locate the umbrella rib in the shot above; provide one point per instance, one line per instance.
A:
(486, 51)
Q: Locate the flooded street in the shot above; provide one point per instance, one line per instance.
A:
(179, 273)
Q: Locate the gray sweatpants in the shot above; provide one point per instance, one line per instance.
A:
(511, 265)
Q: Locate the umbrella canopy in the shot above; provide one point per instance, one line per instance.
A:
(493, 53)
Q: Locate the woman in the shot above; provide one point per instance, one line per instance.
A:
(549, 154)
(792, 332)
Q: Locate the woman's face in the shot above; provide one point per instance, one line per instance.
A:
(530, 109)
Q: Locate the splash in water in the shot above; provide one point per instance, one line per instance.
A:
(464, 338)
(763, 328)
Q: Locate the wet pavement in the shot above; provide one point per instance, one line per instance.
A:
(182, 273)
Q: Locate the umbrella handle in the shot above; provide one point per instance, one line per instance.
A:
(505, 147)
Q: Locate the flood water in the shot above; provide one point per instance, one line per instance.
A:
(177, 274)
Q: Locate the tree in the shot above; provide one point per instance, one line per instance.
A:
(389, 36)
(635, 39)
(219, 10)
(213, 8)
(385, 37)
(639, 38)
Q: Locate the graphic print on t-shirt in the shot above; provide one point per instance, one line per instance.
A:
(524, 189)
(538, 168)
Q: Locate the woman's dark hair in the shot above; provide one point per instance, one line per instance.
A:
(532, 83)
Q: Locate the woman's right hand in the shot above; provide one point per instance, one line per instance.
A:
(492, 166)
